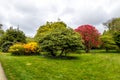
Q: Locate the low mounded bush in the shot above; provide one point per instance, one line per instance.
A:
(17, 49)
(31, 48)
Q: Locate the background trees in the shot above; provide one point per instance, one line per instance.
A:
(107, 41)
(90, 35)
(14, 35)
(113, 26)
(11, 36)
(116, 37)
(1, 30)
(55, 37)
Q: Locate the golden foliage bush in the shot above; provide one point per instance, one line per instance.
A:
(31, 48)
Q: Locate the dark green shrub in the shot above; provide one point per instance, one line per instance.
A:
(5, 46)
(61, 42)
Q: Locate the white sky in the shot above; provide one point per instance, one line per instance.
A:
(30, 14)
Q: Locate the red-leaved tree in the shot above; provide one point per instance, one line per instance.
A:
(90, 36)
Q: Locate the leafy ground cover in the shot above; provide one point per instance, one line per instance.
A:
(100, 66)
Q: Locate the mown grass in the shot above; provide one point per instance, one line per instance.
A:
(100, 66)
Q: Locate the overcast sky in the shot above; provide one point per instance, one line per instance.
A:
(30, 14)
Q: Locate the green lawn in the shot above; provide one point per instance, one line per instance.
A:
(100, 66)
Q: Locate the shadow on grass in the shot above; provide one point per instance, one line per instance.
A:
(97, 51)
(62, 57)
(104, 51)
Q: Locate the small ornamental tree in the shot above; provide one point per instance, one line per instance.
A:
(90, 35)
(61, 41)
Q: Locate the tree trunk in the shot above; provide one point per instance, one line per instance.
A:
(87, 47)
(65, 54)
(62, 52)
(87, 50)
(107, 49)
(52, 53)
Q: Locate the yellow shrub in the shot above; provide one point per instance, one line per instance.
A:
(17, 49)
(31, 48)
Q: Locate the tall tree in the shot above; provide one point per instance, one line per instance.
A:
(113, 24)
(107, 41)
(14, 35)
(114, 28)
(90, 35)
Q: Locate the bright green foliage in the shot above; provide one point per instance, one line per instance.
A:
(61, 40)
(76, 67)
(48, 27)
(114, 28)
(117, 38)
(13, 36)
(55, 37)
(108, 41)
